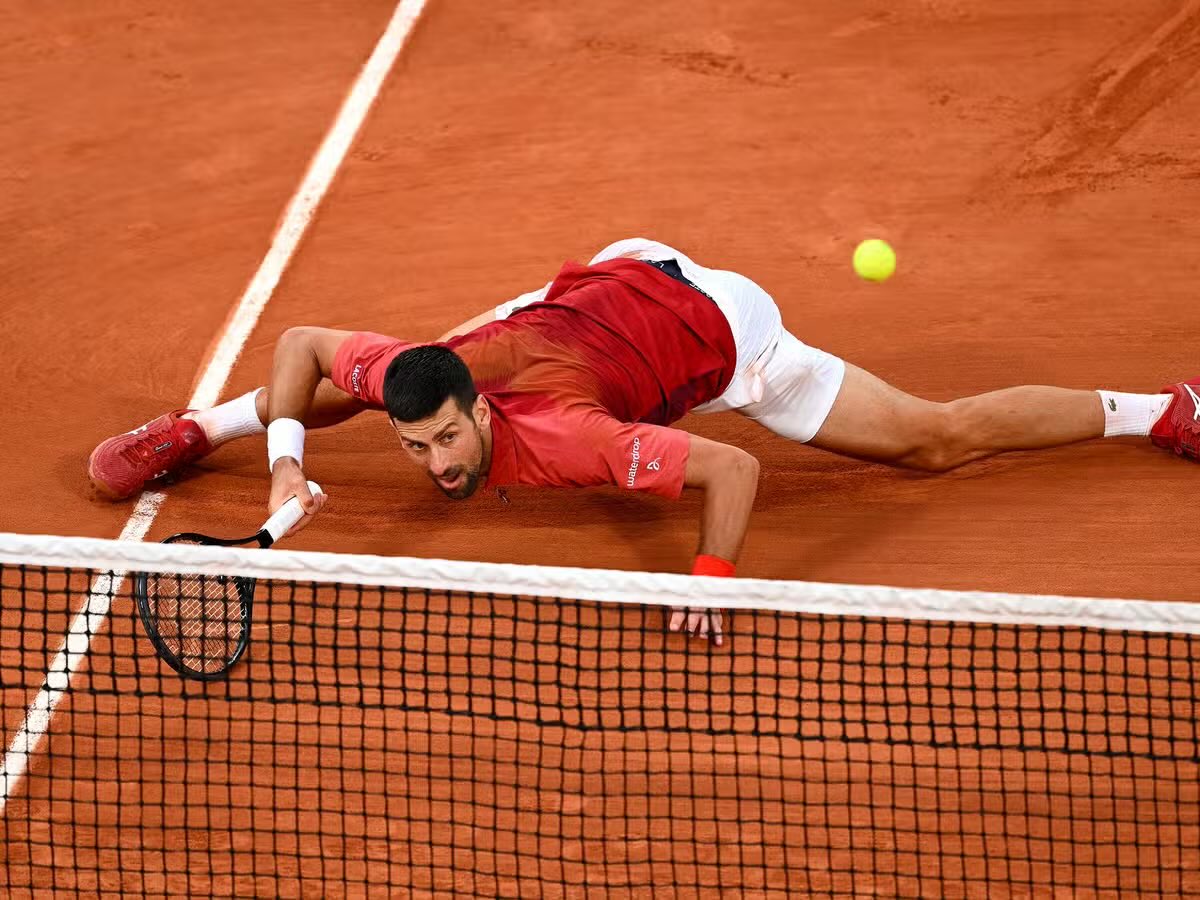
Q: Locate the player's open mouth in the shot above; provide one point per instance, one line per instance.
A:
(452, 483)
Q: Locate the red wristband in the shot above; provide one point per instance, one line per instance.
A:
(713, 565)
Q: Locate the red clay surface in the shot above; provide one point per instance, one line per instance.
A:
(151, 154)
(1034, 167)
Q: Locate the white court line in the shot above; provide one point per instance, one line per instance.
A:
(71, 654)
(295, 222)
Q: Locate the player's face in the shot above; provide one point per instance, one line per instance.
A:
(450, 446)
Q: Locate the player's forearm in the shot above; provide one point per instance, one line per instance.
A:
(294, 379)
(330, 406)
(303, 357)
(728, 500)
(294, 376)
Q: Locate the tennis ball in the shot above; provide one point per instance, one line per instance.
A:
(874, 260)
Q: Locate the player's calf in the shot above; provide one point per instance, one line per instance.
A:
(873, 420)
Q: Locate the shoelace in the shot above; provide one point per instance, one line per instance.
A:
(143, 448)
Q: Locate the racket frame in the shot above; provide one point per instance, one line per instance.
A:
(244, 586)
(280, 522)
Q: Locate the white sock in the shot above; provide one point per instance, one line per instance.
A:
(1126, 414)
(233, 419)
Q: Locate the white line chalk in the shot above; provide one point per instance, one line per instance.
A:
(71, 654)
(295, 222)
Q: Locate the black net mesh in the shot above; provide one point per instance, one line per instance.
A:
(391, 742)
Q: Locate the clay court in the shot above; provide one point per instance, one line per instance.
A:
(1035, 166)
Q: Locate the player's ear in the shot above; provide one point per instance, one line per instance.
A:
(481, 412)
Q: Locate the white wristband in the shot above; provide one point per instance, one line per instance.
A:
(285, 437)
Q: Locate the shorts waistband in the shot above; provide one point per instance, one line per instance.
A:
(671, 267)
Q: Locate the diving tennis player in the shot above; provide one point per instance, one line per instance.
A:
(577, 384)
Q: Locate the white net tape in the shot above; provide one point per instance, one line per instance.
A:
(653, 588)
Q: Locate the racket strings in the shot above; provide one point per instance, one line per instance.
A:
(198, 617)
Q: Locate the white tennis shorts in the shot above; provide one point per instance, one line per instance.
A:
(780, 382)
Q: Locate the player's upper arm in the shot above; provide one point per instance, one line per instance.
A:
(586, 447)
(710, 460)
(322, 343)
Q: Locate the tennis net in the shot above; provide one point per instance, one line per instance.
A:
(425, 728)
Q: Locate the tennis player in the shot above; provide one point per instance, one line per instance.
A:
(576, 384)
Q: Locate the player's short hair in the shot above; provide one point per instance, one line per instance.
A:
(419, 380)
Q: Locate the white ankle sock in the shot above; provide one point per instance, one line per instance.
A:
(233, 419)
(1126, 414)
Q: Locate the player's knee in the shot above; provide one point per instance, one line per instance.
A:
(742, 465)
(941, 442)
(748, 464)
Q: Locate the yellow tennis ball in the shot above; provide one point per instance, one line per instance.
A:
(874, 260)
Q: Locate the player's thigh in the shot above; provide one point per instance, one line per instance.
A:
(871, 419)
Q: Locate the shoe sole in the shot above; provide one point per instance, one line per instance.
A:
(101, 488)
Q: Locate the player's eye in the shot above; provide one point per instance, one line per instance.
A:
(449, 439)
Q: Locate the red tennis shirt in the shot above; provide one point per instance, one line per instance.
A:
(582, 384)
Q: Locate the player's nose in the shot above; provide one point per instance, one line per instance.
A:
(438, 463)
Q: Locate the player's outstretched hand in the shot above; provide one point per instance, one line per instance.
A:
(699, 621)
(287, 481)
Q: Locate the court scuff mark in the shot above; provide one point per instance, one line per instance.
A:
(1119, 92)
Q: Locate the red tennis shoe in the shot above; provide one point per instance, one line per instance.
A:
(121, 466)
(1178, 428)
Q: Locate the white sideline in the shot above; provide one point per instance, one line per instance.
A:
(295, 222)
(71, 654)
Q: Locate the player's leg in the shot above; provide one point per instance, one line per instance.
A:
(813, 397)
(120, 466)
(810, 396)
(247, 415)
(872, 420)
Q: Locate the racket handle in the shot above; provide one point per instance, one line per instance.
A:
(288, 515)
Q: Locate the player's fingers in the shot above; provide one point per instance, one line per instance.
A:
(307, 502)
(677, 616)
(717, 622)
(695, 616)
(704, 620)
(318, 505)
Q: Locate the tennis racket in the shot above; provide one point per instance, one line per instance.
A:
(200, 624)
